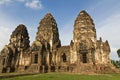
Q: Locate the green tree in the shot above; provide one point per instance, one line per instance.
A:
(118, 52)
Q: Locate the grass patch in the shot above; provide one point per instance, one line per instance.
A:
(62, 76)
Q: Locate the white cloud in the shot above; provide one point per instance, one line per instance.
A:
(5, 1)
(34, 4)
(109, 30)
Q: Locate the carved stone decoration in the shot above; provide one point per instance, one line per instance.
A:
(20, 37)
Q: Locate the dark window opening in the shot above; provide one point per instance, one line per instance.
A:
(26, 67)
(36, 58)
(10, 59)
(64, 58)
(3, 61)
(84, 56)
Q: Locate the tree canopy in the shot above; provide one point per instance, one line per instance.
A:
(118, 52)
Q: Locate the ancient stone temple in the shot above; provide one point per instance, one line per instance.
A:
(85, 54)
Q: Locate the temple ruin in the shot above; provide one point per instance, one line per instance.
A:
(85, 54)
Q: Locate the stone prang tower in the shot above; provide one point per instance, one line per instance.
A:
(10, 54)
(84, 39)
(46, 43)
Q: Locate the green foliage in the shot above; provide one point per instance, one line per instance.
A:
(116, 63)
(118, 52)
(59, 76)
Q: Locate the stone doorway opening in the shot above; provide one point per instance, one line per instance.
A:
(84, 58)
(64, 57)
(36, 58)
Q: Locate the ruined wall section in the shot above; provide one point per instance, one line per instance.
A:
(102, 52)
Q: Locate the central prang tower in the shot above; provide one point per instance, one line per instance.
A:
(46, 43)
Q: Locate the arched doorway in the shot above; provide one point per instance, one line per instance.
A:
(64, 57)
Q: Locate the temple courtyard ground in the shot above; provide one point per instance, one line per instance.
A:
(63, 76)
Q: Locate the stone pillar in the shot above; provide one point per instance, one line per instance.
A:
(43, 68)
(56, 59)
(53, 57)
(31, 58)
(49, 68)
(48, 59)
(78, 58)
(21, 61)
(39, 59)
(56, 68)
(8, 69)
(90, 57)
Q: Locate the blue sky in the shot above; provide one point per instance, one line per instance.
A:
(105, 13)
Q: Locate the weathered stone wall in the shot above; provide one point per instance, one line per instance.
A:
(102, 52)
(63, 56)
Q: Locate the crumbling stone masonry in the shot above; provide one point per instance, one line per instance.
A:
(85, 54)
